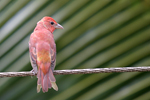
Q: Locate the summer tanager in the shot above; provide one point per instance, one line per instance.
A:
(43, 53)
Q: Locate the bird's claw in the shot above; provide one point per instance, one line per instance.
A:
(34, 73)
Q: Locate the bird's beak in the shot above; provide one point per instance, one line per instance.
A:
(58, 26)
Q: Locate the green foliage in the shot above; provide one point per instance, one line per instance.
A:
(97, 33)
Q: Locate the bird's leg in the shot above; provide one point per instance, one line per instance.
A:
(34, 72)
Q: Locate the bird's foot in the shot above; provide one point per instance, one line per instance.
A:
(34, 73)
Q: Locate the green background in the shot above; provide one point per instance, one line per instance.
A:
(97, 34)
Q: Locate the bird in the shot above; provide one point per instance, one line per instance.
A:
(42, 50)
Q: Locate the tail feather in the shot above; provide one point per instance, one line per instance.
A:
(51, 76)
(46, 81)
(49, 83)
(53, 80)
(42, 75)
(39, 76)
(39, 81)
(54, 85)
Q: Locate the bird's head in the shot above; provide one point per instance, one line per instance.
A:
(50, 23)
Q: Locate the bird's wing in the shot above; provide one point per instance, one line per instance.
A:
(53, 56)
(33, 57)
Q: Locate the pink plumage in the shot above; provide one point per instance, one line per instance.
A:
(43, 53)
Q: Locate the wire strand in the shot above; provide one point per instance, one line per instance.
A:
(80, 71)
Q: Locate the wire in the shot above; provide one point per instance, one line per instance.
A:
(80, 71)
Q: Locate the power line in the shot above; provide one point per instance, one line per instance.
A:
(80, 71)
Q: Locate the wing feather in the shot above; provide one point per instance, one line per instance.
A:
(33, 57)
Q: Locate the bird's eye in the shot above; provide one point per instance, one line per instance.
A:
(52, 23)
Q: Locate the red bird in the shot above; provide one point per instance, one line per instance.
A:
(42, 49)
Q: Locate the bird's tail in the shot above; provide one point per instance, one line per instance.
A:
(46, 81)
